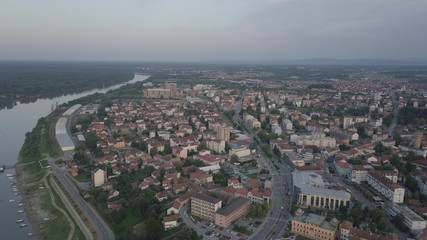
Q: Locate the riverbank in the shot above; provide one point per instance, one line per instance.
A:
(30, 198)
(25, 82)
(45, 210)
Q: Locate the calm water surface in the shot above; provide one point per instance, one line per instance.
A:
(14, 123)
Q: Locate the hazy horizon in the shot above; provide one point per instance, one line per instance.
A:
(213, 30)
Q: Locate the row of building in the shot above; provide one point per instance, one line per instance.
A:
(169, 91)
(316, 227)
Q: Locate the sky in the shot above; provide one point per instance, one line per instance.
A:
(205, 30)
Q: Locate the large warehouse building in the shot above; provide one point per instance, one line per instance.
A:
(64, 140)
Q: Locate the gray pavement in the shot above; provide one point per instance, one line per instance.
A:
(103, 230)
(204, 227)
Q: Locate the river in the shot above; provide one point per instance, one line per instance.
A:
(14, 123)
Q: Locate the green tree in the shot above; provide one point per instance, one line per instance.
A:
(316, 149)
(411, 183)
(274, 111)
(168, 149)
(398, 138)
(344, 147)
(380, 149)
(153, 151)
(155, 229)
(227, 147)
(221, 177)
(91, 139)
(202, 146)
(234, 158)
(361, 131)
(143, 146)
(102, 197)
(398, 222)
(276, 151)
(187, 233)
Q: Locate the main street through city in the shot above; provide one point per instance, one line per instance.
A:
(278, 216)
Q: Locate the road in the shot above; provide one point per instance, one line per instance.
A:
(103, 230)
(359, 196)
(395, 113)
(278, 216)
(100, 226)
(52, 200)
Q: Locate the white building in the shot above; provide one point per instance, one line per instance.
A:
(252, 121)
(347, 122)
(343, 169)
(296, 158)
(99, 177)
(72, 110)
(410, 218)
(216, 145)
(240, 152)
(310, 190)
(287, 124)
(170, 222)
(214, 168)
(359, 173)
(164, 134)
(392, 191)
(276, 128)
(64, 140)
(223, 133)
(422, 183)
(318, 139)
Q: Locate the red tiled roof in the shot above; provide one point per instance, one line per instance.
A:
(343, 164)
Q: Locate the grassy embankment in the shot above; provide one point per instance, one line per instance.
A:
(58, 227)
(48, 222)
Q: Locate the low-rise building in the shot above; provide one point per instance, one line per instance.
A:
(240, 152)
(212, 168)
(314, 227)
(346, 231)
(157, 93)
(205, 206)
(164, 134)
(410, 219)
(287, 124)
(318, 139)
(310, 191)
(358, 173)
(297, 159)
(235, 209)
(209, 159)
(422, 182)
(170, 222)
(258, 195)
(343, 168)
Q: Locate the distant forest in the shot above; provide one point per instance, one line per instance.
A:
(28, 81)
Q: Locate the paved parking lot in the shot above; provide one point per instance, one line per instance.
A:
(211, 231)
